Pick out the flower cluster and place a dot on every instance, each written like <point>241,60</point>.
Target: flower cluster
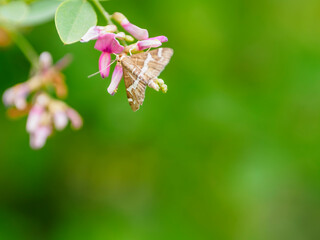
<point>46,76</point>
<point>108,42</point>
<point>45,113</point>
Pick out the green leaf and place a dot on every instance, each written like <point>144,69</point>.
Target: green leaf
<point>73,20</point>
<point>13,12</point>
<point>40,12</point>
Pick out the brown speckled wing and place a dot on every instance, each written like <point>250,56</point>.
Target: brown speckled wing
<point>139,69</point>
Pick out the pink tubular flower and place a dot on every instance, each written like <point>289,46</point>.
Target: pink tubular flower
<point>17,96</point>
<point>34,118</point>
<point>92,34</point>
<point>145,44</point>
<point>138,33</point>
<point>75,118</point>
<point>108,43</point>
<point>60,120</point>
<point>160,38</point>
<point>104,64</point>
<point>151,43</point>
<point>97,31</point>
<point>39,137</point>
<point>148,43</point>
<point>45,61</point>
<point>116,77</point>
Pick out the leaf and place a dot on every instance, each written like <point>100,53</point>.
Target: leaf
<point>14,12</point>
<point>40,12</point>
<point>73,20</point>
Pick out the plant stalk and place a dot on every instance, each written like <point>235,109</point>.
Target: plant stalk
<point>26,48</point>
<point>105,14</point>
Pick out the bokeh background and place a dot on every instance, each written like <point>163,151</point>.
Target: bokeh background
<point>230,152</point>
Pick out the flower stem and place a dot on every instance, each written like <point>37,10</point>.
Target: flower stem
<point>26,48</point>
<point>106,15</point>
<point>102,11</point>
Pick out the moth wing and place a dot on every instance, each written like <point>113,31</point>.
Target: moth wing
<point>139,69</point>
<point>135,95</point>
<point>152,63</point>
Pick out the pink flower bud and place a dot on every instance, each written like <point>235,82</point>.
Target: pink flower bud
<point>20,103</point>
<point>121,35</point>
<point>39,137</point>
<point>119,17</point>
<point>60,120</point>
<point>92,34</point>
<point>34,118</point>
<point>104,64</point>
<point>97,31</point>
<point>145,44</point>
<point>116,77</point>
<point>160,38</point>
<point>16,96</point>
<point>8,97</point>
<point>45,60</point>
<point>75,118</point>
<point>138,33</point>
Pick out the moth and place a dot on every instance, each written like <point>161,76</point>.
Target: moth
<point>139,69</point>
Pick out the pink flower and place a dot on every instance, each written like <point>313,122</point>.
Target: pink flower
<point>45,61</point>
<point>39,137</point>
<point>16,96</point>
<point>92,34</point>
<point>104,64</point>
<point>145,44</point>
<point>138,33</point>
<point>106,39</point>
<point>160,38</point>
<point>75,118</point>
<point>34,118</point>
<point>148,43</point>
<point>151,43</point>
<point>116,77</point>
<point>60,120</point>
<point>108,43</point>
<point>96,31</point>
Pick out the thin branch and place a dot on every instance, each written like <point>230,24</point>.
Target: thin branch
<point>26,48</point>
<point>102,11</point>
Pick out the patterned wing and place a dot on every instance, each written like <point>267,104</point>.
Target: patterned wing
<point>136,93</point>
<point>139,69</point>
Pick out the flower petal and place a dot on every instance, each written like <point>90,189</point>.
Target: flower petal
<point>39,137</point>
<point>109,43</point>
<point>60,120</point>
<point>145,44</point>
<point>75,118</point>
<point>138,33</point>
<point>92,34</point>
<point>104,64</point>
<point>34,118</point>
<point>116,77</point>
<point>8,97</point>
<point>45,60</point>
<point>160,38</point>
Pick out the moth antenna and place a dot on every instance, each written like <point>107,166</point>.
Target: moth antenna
<point>148,49</point>
<point>92,75</point>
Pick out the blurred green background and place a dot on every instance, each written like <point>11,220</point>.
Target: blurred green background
<point>230,152</point>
